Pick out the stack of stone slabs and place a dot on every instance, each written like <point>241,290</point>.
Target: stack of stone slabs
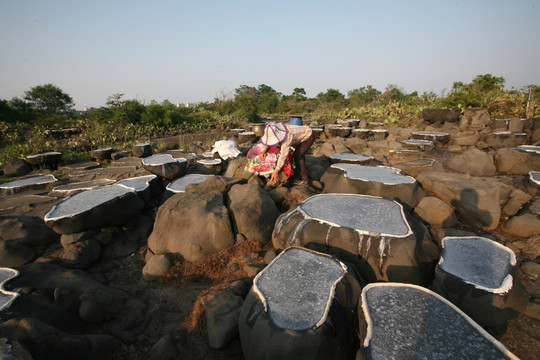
<point>403,321</point>
<point>293,305</point>
<point>476,274</point>
<point>370,232</point>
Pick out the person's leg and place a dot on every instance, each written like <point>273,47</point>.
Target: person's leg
<point>299,157</point>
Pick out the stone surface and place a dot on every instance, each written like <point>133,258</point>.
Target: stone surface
<point>29,183</point>
<point>372,180</point>
<point>435,212</point>
<point>103,154</point>
<point>433,136</point>
<point>157,266</point>
<point>350,158</point>
<point>17,167</point>
<point>441,115</point>
<point>533,183</point>
<point>222,311</point>
<point>474,120</point>
<point>516,162</point>
<point>253,211</point>
<point>526,222</point>
<point>142,150</point>
<point>105,206</point>
<point>475,200</point>
<point>49,159</point>
<point>193,225</point>
<point>473,162</point>
<point>484,287</point>
<point>444,331</point>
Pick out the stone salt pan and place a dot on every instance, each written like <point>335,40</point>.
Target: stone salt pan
<point>362,213</point>
<point>179,185</point>
<point>403,321</point>
<point>381,174</point>
<point>478,261</point>
<point>297,288</point>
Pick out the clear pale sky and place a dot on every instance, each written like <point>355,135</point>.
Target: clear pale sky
<point>190,51</point>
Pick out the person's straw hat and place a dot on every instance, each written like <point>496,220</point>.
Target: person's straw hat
<point>274,133</point>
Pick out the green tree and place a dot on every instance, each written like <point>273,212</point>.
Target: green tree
<point>299,94</point>
<point>364,95</point>
<point>245,103</point>
<point>268,99</point>
<point>49,99</point>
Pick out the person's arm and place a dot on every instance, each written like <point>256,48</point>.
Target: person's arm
<point>264,149</point>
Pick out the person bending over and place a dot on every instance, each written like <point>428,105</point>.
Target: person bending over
<point>301,137</point>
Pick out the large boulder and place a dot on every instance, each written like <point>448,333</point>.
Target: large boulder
<point>372,180</point>
<point>476,200</point>
<point>22,239</point>
<point>17,167</point>
<point>475,119</point>
<point>192,224</point>
<point>435,212</point>
<point>473,162</point>
<point>254,212</point>
<point>516,162</point>
<point>526,222</point>
<point>441,115</point>
<point>374,234</point>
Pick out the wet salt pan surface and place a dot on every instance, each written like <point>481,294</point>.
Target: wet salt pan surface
<point>34,180</point>
<point>350,157</point>
<point>439,330</point>
<point>382,174</point>
<point>7,297</point>
<point>365,213</point>
<point>86,200</point>
<point>460,257</point>
<point>297,288</point>
<point>161,159</point>
<point>179,185</point>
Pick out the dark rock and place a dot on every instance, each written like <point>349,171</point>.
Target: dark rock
<point>101,154</point>
<point>49,160</point>
<point>254,212</point>
<point>164,349</point>
<point>473,162</point>
<point>142,150</point>
<point>201,218</point>
<point>435,212</point>
<point>17,167</point>
<point>527,222</point>
<point>222,310</point>
<point>441,115</point>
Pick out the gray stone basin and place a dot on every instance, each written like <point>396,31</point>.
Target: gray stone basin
<point>165,165</point>
<point>297,288</point>
<point>160,159</point>
<point>418,144</point>
<point>29,183</point>
<point>350,158</point>
<point>403,321</point>
<point>381,174</point>
<point>364,214</point>
<point>490,272</point>
<point>179,185</point>
<point>105,206</point>
<point>137,184</point>
<point>7,297</point>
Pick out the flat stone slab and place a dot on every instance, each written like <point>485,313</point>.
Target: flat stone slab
<point>364,214</point>
<point>528,148</point>
<point>7,297</point>
<point>403,321</point>
<point>115,173</point>
<point>179,185</point>
<point>101,207</point>
<point>29,183</point>
<point>489,272</point>
<point>350,158</point>
<point>379,181</point>
<point>500,139</point>
<point>381,174</point>
<point>139,183</point>
<point>533,183</point>
<point>434,136</point>
<point>46,158</point>
<point>418,144</point>
<point>297,288</point>
<point>80,186</point>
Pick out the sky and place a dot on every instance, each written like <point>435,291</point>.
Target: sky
<point>193,51</point>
